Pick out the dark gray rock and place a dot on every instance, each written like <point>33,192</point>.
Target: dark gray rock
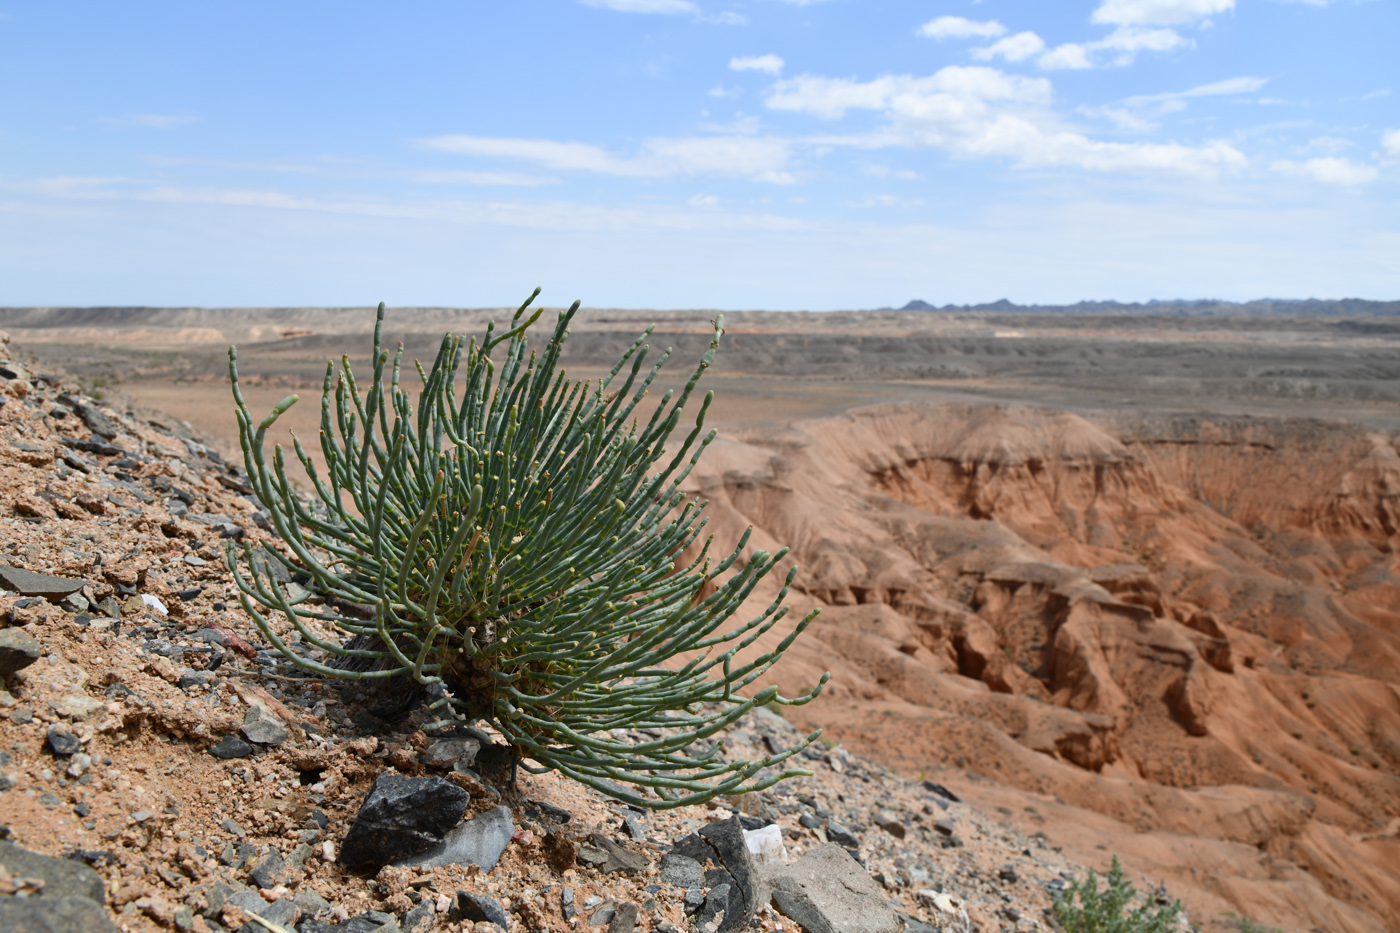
<point>53,915</point>
<point>271,871</point>
<point>476,908</point>
<point>61,741</point>
<point>263,727</point>
<point>420,919</point>
<point>840,835</point>
<point>18,650</point>
<point>231,746</point>
<point>727,839</point>
<point>28,583</point>
<point>681,871</point>
<point>941,791</point>
<point>618,858</point>
<point>96,421</point>
<point>914,925</point>
<point>625,920</point>
<point>282,912</point>
<point>945,827</point>
<point>891,824</point>
<point>445,753</point>
<point>826,891</point>
<point>63,878</point>
<point>808,821</point>
<point>716,915</point>
<point>479,841</point>
<point>404,816</point>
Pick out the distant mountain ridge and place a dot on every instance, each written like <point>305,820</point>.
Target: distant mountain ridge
<point>1205,307</point>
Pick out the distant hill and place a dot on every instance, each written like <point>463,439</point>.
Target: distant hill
<point>1205,307</point>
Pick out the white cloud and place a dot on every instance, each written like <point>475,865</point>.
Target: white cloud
<point>1379,92</point>
<point>1244,84</point>
<point>645,6</point>
<point>884,171</point>
<point>760,158</point>
<point>956,27</point>
<point>702,200</point>
<point>1158,12</point>
<point>770,64</point>
<point>1126,41</point>
<point>952,87</point>
<point>491,179</point>
<point>1069,55</point>
<point>981,113</point>
<point>1329,171</point>
<point>1013,48</point>
<point>886,200</point>
<point>1390,144</point>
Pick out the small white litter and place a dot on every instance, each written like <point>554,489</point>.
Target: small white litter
<point>766,844</point>
<point>154,603</point>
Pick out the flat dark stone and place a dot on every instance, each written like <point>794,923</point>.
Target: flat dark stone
<point>96,421</point>
<point>18,650</point>
<point>61,741</point>
<point>941,791</point>
<point>63,878</point>
<point>29,583</point>
<point>231,747</point>
<point>271,871</point>
<point>91,447</point>
<point>478,907</point>
<point>619,858</point>
<point>402,816</point>
<point>53,915</point>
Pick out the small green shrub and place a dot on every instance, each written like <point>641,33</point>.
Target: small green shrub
<point>1103,911</point>
<point>517,535</point>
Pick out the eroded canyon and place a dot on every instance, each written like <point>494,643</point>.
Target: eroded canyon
<point>1133,582</point>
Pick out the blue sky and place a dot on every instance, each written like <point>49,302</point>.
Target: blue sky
<point>698,153</point>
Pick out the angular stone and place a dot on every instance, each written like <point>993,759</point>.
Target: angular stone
<point>96,421</point>
<point>62,877</point>
<point>403,816</point>
<point>945,827</point>
<point>890,824</point>
<point>271,871</point>
<point>61,741</point>
<point>826,891</point>
<point>716,916</point>
<point>841,835</point>
<point>231,746</point>
<point>941,791</point>
<point>681,871</point>
<point>28,583</point>
<point>476,908</point>
<point>727,839</point>
<point>77,706</point>
<point>480,841</point>
<point>619,858</point>
<point>264,727</point>
<point>625,920</point>
<point>446,753</point>
<point>420,919</point>
<point>53,915</point>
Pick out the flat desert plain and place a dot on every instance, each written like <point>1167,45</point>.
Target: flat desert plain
<point>1129,580</point>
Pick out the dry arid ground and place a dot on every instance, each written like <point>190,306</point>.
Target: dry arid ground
<point>1133,578</point>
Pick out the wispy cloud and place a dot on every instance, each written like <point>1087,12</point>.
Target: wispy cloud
<point>770,64</point>
<point>957,27</point>
<point>1158,12</point>
<point>1330,171</point>
<point>668,7</point>
<point>983,113</point>
<point>1015,48</point>
<point>1244,84</point>
<point>1122,46</point>
<point>1390,144</point>
<point>759,158</point>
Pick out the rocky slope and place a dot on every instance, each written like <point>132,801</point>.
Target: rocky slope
<point>1175,638</point>
<point>161,769</point>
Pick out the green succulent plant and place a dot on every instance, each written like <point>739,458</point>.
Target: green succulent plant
<point>1102,911</point>
<point>518,534</point>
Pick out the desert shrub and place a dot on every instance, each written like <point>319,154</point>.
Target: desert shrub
<point>1103,911</point>
<point>516,534</point>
